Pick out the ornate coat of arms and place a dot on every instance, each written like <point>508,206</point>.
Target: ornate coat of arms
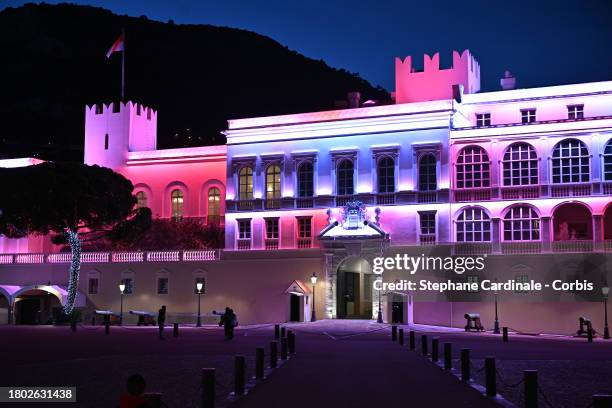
<point>353,215</point>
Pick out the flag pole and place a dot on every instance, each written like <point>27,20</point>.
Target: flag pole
<point>123,67</point>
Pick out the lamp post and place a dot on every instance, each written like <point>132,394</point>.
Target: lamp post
<point>122,289</point>
<point>496,323</point>
<point>313,280</point>
<point>606,290</point>
<point>379,319</point>
<point>199,286</point>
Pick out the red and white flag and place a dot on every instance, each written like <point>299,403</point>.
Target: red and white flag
<point>117,46</point>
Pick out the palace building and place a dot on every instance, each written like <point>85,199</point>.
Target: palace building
<point>521,177</point>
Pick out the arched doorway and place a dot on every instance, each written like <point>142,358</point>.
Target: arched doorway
<point>5,310</point>
<point>607,219</point>
<point>36,306</point>
<point>355,289</point>
<point>572,222</point>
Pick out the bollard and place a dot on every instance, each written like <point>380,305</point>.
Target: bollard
<point>435,341</point>
<point>291,342</point>
<point>505,334</point>
<point>276,331</point>
<point>175,332</point>
<point>273,353</point>
<point>490,380</point>
<point>93,320</point>
<point>106,327</point>
<point>602,401</point>
<point>424,344</point>
<point>283,348</point>
<point>590,335</point>
<point>259,363</point>
<point>208,388</point>
<point>401,337</point>
<point>393,333</point>
<point>448,356</point>
<point>283,332</point>
<point>411,340</point>
<point>465,364</point>
<point>73,326</point>
<point>530,377</point>
<point>239,375</point>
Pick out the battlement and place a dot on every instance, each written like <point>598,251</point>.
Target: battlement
<point>121,108</point>
<point>433,83</point>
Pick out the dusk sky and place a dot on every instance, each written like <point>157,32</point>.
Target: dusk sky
<point>540,42</point>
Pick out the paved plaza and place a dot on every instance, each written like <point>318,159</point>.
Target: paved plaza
<point>337,363</point>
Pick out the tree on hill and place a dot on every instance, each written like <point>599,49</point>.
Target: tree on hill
<point>75,200</point>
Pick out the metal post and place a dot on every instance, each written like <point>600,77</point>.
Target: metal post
<point>465,364</point>
<point>208,388</point>
<point>276,331</point>
<point>379,319</point>
<point>73,325</point>
<point>313,315</point>
<point>291,342</point>
<point>199,322</point>
<point>505,334</point>
<point>393,333</point>
<point>496,323</point>
<point>175,330</point>
<point>401,337</point>
<point>121,312</point>
<point>590,335</point>
<point>259,363</point>
<point>606,330</point>
<point>602,401</point>
<point>448,356</point>
<point>530,377</point>
<point>106,326</point>
<point>490,379</point>
<point>411,339</point>
<point>283,332</point>
<point>435,341</point>
<point>239,375</point>
<point>283,348</point>
<point>424,344</point>
<point>273,353</point>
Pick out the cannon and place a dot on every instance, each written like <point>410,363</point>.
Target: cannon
<point>585,322</point>
<point>108,315</point>
<point>473,322</point>
<point>144,318</point>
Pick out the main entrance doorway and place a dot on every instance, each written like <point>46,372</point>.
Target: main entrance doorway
<point>354,289</point>
<point>36,307</point>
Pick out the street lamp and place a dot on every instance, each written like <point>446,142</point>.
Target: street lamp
<point>122,289</point>
<point>496,323</point>
<point>199,286</point>
<point>379,319</point>
<point>313,280</point>
<point>606,290</point>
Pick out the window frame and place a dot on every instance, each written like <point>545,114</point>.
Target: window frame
<point>575,111</point>
<point>606,165</point>
<point>271,222</point>
<point>528,115</point>
<point>510,165</point>
<point>305,185</point>
<point>345,178</point>
<point>484,221</point>
<point>177,204</point>
<point>273,177</point>
<point>141,196</point>
<point>525,223</point>
<point>385,183</point>
<point>158,280</point>
<point>483,119</point>
<point>429,174</point>
<point>466,159</point>
<point>97,285</point>
<point>247,194</point>
<point>570,162</point>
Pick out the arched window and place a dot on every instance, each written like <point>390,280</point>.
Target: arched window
<point>305,183</point>
<point>214,206</point>
<point>141,199</point>
<point>473,168</point>
<point>473,225</point>
<point>273,182</point>
<point>608,161</point>
<point>345,177</point>
<point>245,180</point>
<point>427,173</point>
<point>386,175</point>
<point>177,204</point>
<point>570,162</point>
<point>521,223</point>
<point>520,165</point>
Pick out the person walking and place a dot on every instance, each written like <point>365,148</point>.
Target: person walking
<point>161,321</point>
<point>134,397</point>
<point>228,321</point>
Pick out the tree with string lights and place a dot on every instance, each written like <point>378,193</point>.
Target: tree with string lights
<point>75,201</point>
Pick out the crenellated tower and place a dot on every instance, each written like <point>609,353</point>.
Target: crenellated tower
<point>113,130</point>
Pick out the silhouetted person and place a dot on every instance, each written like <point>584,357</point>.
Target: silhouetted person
<point>228,321</point>
<point>161,321</point>
<point>134,398</point>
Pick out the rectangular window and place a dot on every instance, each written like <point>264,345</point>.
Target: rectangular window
<point>195,284</point>
<point>93,286</point>
<point>272,228</point>
<point>304,227</point>
<point>575,112</point>
<point>129,286</point>
<point>472,279</point>
<point>162,286</point>
<point>528,115</point>
<point>483,119</point>
<point>428,223</point>
<point>244,229</point>
<point>521,279</point>
<point>106,141</point>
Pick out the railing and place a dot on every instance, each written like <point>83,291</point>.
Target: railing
<point>572,246</point>
<point>304,242</point>
<point>476,194</point>
<point>385,198</point>
<point>341,200</point>
<point>472,248</point>
<point>244,205</point>
<point>271,243</point>
<point>272,204</point>
<point>608,245</point>
<point>427,239</point>
<point>607,188</point>
<point>570,190</point>
<point>427,196</point>
<point>114,257</point>
<point>518,193</point>
<point>304,202</point>
<point>243,244</point>
<point>517,248</point>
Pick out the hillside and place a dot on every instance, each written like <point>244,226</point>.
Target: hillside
<point>198,76</point>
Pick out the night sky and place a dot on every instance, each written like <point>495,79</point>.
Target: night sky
<point>540,42</point>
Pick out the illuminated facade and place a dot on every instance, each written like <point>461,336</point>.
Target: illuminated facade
<point>445,169</point>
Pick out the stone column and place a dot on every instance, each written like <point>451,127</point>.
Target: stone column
<point>598,232</point>
<point>330,291</point>
<point>547,236</point>
<point>495,235</point>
